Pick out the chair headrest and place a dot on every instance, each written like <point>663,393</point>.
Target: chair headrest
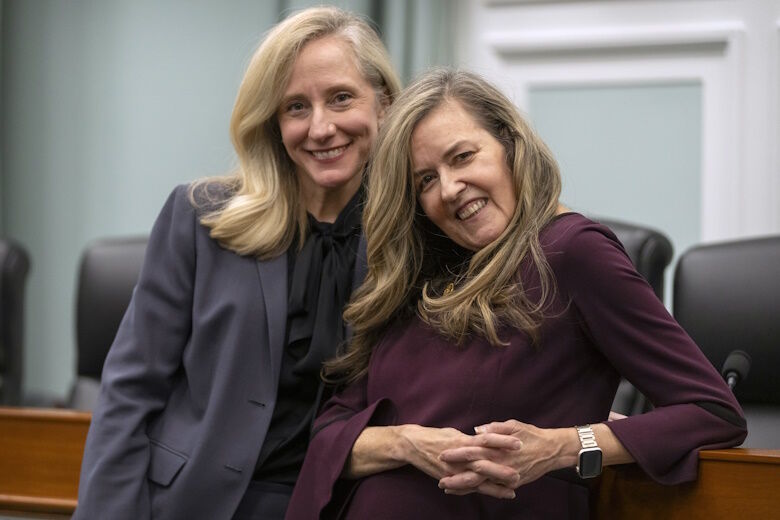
<point>727,297</point>
<point>108,274</point>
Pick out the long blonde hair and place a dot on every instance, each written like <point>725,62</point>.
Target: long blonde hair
<point>256,211</point>
<point>402,268</point>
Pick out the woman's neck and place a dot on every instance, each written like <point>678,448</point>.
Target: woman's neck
<point>325,204</point>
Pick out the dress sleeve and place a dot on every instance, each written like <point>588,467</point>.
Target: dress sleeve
<point>694,409</point>
<point>335,431</point>
<point>139,370</point>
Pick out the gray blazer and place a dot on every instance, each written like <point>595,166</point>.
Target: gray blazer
<point>189,385</point>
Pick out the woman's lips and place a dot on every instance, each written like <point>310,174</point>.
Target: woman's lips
<point>326,155</point>
<point>471,209</point>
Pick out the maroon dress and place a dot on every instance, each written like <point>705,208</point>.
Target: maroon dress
<point>605,322</point>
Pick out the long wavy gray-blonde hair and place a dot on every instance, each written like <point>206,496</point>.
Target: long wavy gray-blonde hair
<point>262,213</point>
<point>404,273</point>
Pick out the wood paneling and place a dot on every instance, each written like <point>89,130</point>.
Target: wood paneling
<point>41,450</point>
<point>40,458</point>
<point>739,483</point>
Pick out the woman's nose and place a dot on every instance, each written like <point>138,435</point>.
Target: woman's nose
<point>321,126</point>
<point>451,185</point>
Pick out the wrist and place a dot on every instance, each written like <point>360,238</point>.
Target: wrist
<point>568,447</point>
<point>591,457</point>
<point>402,447</point>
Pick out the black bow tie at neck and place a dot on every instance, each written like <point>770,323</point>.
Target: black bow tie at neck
<point>320,287</point>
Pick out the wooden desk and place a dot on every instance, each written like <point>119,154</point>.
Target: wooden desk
<point>40,459</point>
<point>41,450</point>
<point>736,483</point>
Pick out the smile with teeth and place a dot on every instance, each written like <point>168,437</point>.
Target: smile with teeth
<point>329,154</point>
<point>471,209</point>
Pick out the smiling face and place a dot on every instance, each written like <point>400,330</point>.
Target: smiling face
<point>328,117</point>
<point>461,176</point>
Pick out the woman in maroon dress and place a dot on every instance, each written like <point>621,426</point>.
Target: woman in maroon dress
<point>492,322</point>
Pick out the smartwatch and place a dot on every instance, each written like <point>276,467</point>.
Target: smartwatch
<point>589,459</point>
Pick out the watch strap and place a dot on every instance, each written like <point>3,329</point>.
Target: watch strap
<point>587,437</point>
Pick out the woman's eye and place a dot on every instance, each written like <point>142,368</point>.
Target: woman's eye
<point>425,180</point>
<point>463,156</point>
<point>342,98</point>
<point>294,107</point>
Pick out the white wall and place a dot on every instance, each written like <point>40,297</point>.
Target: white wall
<point>731,48</point>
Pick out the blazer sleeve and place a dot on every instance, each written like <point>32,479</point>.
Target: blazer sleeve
<point>319,491</point>
<point>694,409</point>
<point>140,370</point>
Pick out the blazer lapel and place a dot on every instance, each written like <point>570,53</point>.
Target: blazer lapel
<point>273,280</point>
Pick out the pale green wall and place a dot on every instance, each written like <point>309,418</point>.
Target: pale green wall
<point>107,106</point>
<point>628,152</point>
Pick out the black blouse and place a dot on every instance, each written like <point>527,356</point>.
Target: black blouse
<point>319,279</point>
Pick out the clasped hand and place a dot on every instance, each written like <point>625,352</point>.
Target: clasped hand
<point>500,458</point>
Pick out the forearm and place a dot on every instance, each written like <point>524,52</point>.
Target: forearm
<point>378,448</point>
<point>540,451</point>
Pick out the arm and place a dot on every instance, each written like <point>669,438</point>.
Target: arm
<point>389,447</point>
<point>139,370</point>
<point>540,451</point>
<point>353,439</point>
<point>624,319</point>
<point>694,409</point>
<point>343,418</point>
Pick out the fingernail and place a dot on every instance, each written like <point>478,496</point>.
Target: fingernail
<point>479,429</point>
<point>511,495</point>
<point>447,492</point>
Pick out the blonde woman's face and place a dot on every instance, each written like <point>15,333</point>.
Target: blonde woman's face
<point>461,177</point>
<point>329,117</point>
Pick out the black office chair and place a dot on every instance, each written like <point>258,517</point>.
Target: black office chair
<point>727,297</point>
<point>14,266</point>
<point>650,252</point>
<point>108,274</point>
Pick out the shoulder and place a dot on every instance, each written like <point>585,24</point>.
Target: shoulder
<point>211,194</point>
<point>188,203</point>
<point>193,201</point>
<point>574,234</point>
<point>578,248</point>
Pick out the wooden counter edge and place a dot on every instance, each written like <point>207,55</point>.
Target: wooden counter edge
<point>45,414</point>
<point>23,503</point>
<point>742,455</point>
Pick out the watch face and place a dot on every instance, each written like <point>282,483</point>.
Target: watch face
<point>590,463</point>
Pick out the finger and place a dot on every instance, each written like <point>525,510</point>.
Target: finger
<point>494,490</point>
<point>498,441</point>
<point>486,488</point>
<point>506,427</point>
<point>480,471</point>
<point>464,480</point>
<point>467,454</point>
<point>498,473</point>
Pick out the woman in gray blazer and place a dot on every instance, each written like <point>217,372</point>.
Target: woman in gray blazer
<point>212,382</point>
